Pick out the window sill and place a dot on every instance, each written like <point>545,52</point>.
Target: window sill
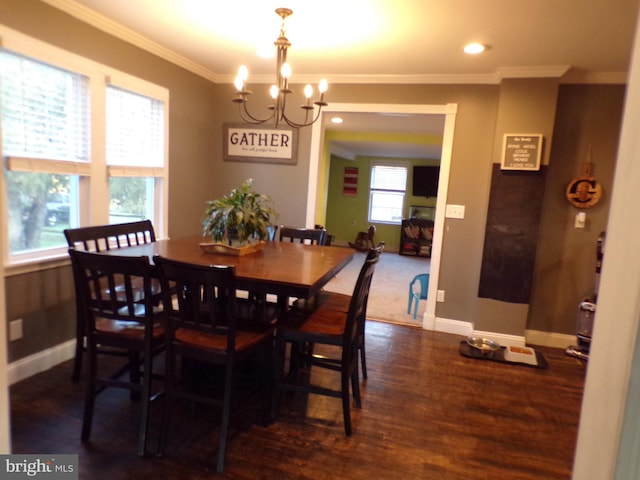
<point>36,264</point>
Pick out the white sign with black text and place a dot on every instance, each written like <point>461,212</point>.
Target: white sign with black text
<point>252,143</point>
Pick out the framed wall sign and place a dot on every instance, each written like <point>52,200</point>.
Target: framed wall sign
<point>522,151</point>
<point>260,143</point>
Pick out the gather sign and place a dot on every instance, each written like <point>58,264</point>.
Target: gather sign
<point>258,143</point>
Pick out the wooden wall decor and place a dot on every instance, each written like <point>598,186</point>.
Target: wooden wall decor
<point>584,191</point>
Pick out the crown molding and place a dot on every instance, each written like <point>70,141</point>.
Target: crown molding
<point>117,30</point>
<point>561,72</point>
<point>551,71</point>
<point>596,78</point>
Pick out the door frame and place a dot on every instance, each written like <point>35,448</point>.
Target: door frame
<point>316,154</point>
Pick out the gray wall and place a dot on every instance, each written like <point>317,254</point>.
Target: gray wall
<point>199,109</point>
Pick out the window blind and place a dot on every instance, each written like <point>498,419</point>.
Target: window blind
<point>44,110</point>
<point>384,177</point>
<point>135,129</point>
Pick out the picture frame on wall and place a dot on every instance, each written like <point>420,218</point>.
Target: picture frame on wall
<point>522,151</point>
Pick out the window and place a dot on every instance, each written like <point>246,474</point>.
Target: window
<point>44,134</point>
<point>135,153</point>
<point>386,194</point>
<point>72,133</point>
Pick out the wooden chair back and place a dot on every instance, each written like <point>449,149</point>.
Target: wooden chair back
<point>313,236</point>
<point>206,302</point>
<point>113,287</point>
<point>357,313</point>
<point>98,238</point>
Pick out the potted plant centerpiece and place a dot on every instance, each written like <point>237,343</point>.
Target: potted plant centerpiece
<point>238,222</point>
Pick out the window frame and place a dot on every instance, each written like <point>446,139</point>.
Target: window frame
<point>94,174</point>
<point>391,164</point>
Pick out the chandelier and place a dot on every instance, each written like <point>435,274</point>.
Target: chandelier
<point>280,90</point>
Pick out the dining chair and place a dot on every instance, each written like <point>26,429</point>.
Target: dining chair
<point>99,238</point>
<point>418,290</point>
<point>328,325</point>
<point>208,324</point>
<point>340,301</point>
<point>312,236</point>
<point>116,299</point>
<point>271,231</point>
<point>309,236</point>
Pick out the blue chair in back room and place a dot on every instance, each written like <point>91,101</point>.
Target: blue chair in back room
<point>421,280</point>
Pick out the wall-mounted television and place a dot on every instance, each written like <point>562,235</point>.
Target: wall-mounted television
<point>425,181</point>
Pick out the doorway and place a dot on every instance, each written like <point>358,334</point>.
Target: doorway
<point>317,156</point>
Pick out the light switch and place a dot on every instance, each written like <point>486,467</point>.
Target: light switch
<point>454,211</point>
<point>581,219</point>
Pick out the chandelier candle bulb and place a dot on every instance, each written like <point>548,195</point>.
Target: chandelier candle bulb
<point>308,93</point>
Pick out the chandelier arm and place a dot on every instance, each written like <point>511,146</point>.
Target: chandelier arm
<point>305,123</point>
<point>247,117</point>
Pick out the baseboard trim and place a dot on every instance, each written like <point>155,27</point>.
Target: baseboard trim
<point>456,327</point>
<point>549,339</point>
<point>501,338</point>
<point>41,361</point>
<point>531,337</point>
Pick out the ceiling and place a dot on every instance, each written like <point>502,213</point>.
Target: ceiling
<point>380,41</point>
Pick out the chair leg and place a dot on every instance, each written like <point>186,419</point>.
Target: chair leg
<point>77,361</point>
<point>278,372</point>
<point>134,373</point>
<point>410,302</point>
<point>346,402</point>
<point>146,403</point>
<point>363,358</point>
<point>168,399</point>
<point>224,425</point>
<point>355,385</point>
<point>415,309</point>
<point>90,397</point>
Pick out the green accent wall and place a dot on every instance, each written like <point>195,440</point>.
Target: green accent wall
<point>347,215</point>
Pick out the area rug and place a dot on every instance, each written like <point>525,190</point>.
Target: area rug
<point>389,295</point>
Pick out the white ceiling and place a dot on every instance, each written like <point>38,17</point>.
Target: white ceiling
<point>380,41</point>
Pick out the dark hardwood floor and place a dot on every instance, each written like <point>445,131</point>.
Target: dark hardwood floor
<point>428,413</point>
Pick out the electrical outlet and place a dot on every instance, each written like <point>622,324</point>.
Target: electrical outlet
<point>15,330</point>
<point>440,296</point>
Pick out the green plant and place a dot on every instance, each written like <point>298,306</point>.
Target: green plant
<point>242,216</point>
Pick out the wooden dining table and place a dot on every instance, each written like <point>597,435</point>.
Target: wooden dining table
<point>284,269</point>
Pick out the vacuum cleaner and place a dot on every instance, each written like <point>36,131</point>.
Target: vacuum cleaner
<point>587,311</point>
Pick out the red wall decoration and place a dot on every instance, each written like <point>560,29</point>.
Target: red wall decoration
<point>350,187</point>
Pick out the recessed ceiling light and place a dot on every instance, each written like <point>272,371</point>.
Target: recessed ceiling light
<point>336,120</point>
<point>474,48</point>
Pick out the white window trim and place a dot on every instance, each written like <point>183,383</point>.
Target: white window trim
<point>390,163</point>
<point>94,175</point>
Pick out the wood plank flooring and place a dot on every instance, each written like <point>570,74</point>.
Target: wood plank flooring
<point>428,413</point>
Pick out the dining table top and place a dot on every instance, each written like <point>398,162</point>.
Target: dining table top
<point>281,268</point>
